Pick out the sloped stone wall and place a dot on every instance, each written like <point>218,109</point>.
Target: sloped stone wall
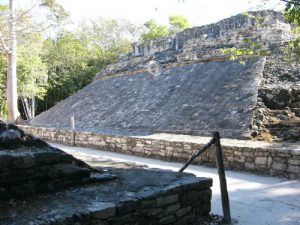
<point>191,99</point>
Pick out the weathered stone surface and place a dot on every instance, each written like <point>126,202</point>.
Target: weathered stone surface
<point>29,165</point>
<point>167,200</point>
<point>131,199</point>
<point>261,160</point>
<point>167,103</point>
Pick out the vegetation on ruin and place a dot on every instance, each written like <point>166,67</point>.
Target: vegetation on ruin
<point>154,30</point>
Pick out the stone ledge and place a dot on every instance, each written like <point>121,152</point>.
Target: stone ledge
<point>134,198</point>
<point>253,156</point>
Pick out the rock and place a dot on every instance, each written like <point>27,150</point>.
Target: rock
<point>10,135</point>
<point>261,160</point>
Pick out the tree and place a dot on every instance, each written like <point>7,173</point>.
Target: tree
<point>32,73</point>
<point>74,57</point>
<point>154,30</point>
<point>177,24</point>
<point>11,52</point>
<point>12,26</point>
<point>292,11</point>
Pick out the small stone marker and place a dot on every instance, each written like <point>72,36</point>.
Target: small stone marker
<point>73,130</point>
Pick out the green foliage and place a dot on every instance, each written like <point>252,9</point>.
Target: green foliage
<point>177,24</point>
<point>252,48</point>
<point>32,71</point>
<point>292,15</point>
<point>292,51</point>
<point>292,11</point>
<point>74,58</point>
<point>56,11</point>
<point>154,31</point>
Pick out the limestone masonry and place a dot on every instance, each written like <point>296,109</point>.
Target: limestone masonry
<point>276,159</point>
<point>199,90</point>
<point>42,185</point>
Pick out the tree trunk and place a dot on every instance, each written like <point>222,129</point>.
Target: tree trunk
<point>12,95</point>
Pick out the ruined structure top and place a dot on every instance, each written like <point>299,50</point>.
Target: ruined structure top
<point>204,43</point>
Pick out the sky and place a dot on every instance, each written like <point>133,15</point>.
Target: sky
<point>198,12</point>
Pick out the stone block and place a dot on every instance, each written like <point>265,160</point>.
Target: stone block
<point>237,153</point>
<point>169,148</point>
<point>261,168</point>
<point>250,166</point>
<point>188,219</point>
<point>148,204</point>
<point>261,153</point>
<point>154,212</point>
<point>294,162</point>
<point>261,160</point>
<point>248,154</point>
<point>168,220</point>
<point>167,200</point>
<point>187,147</point>
<point>240,158</point>
<point>104,213</point>
<point>183,211</point>
<point>279,166</point>
<point>5,160</point>
<point>25,161</point>
<point>294,169</point>
<point>195,197</point>
<point>280,159</point>
<point>172,208</point>
<point>230,158</point>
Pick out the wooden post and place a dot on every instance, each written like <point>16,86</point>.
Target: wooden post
<point>72,130</point>
<point>222,178</point>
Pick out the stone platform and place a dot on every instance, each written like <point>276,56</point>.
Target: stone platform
<point>29,165</point>
<point>40,184</point>
<point>139,196</point>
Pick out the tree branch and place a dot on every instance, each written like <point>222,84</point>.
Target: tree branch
<point>291,2</point>
<point>5,48</point>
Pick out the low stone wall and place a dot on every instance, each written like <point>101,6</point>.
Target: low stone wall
<point>137,196</point>
<point>179,206</point>
<point>258,157</point>
<point>25,172</point>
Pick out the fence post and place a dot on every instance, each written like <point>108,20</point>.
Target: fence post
<point>72,130</point>
<point>222,178</point>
